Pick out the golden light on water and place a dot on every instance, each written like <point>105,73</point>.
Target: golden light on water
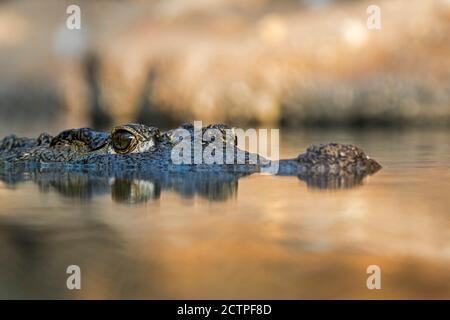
<point>275,237</point>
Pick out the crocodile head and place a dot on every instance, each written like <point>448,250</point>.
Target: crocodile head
<point>337,157</point>
<point>74,144</point>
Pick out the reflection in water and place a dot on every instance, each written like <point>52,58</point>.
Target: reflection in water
<point>134,191</point>
<point>275,239</point>
<point>130,187</point>
<point>134,187</point>
<point>332,181</point>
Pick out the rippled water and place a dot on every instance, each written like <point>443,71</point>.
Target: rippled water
<point>209,236</point>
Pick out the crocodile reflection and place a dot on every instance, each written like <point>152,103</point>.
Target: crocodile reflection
<point>134,191</point>
<point>128,188</point>
<point>332,182</point>
<point>213,187</point>
<point>132,188</point>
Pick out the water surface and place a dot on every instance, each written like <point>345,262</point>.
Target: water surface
<point>210,236</point>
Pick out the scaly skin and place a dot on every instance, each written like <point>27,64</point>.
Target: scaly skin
<point>144,149</point>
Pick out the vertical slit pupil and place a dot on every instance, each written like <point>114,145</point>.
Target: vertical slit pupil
<point>122,139</point>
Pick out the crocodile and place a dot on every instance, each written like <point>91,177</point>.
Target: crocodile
<point>143,149</point>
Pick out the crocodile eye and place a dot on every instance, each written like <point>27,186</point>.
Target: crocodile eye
<point>122,141</point>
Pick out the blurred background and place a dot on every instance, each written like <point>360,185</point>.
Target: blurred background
<point>289,63</point>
